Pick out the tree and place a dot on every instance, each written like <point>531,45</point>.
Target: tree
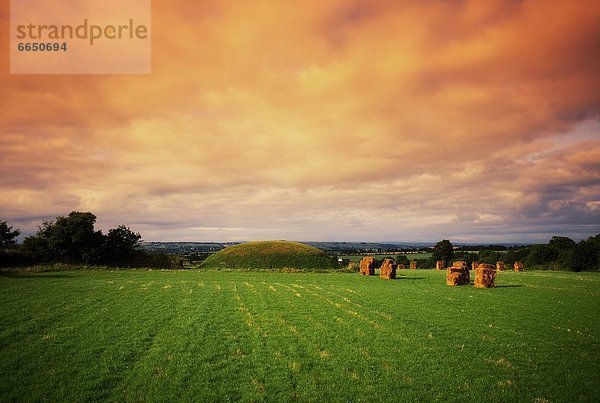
<point>8,235</point>
<point>586,255</point>
<point>514,255</point>
<point>467,257</point>
<point>443,250</point>
<point>402,259</point>
<point>36,247</point>
<point>71,239</point>
<point>120,243</point>
<point>492,256</point>
<point>541,255</point>
<point>561,242</point>
<point>562,248</point>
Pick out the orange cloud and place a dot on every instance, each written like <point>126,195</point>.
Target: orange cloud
<point>323,120</point>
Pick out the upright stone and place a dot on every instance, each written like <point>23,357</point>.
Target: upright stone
<point>439,265</point>
<point>413,265</point>
<point>463,265</point>
<point>367,266</point>
<point>500,265</point>
<point>459,263</point>
<point>474,265</point>
<point>485,275</point>
<point>519,266</point>
<point>388,269</point>
<point>458,274</point>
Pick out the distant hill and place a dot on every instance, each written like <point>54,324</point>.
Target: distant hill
<point>185,247</point>
<point>327,246</point>
<point>368,247</point>
<point>331,247</point>
<point>271,255</point>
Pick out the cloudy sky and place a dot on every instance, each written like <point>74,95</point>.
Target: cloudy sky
<point>396,120</point>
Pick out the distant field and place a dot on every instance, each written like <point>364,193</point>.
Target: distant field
<point>251,336</point>
<point>357,258</point>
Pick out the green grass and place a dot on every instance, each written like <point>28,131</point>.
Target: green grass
<point>271,255</point>
<point>252,336</point>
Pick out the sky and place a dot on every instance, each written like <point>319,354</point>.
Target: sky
<point>345,120</point>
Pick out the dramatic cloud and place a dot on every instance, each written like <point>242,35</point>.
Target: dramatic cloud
<point>344,120</point>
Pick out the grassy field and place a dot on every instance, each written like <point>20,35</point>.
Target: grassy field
<point>252,336</point>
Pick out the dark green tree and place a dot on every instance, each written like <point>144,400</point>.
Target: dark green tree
<point>402,259</point>
<point>559,243</point>
<point>8,235</point>
<point>467,257</point>
<point>514,255</point>
<point>443,250</point>
<point>586,255</point>
<point>491,256</point>
<point>36,247</point>
<point>542,256</point>
<point>120,243</point>
<point>562,248</point>
<point>71,239</point>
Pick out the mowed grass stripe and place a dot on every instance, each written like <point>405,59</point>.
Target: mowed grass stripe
<point>347,344</point>
<point>138,335</point>
<point>277,346</point>
<point>73,330</point>
<point>179,355</point>
<point>302,355</point>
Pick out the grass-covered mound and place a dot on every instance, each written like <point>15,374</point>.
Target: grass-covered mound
<point>271,255</point>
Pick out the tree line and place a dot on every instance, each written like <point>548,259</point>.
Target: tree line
<point>560,253</point>
<point>73,239</point>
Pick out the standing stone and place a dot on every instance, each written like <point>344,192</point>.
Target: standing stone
<point>439,265</point>
<point>458,274</point>
<point>519,266</point>
<point>500,265</point>
<point>413,265</point>
<point>400,266</point>
<point>463,265</point>
<point>485,275</point>
<point>388,269</point>
<point>460,263</point>
<point>474,265</point>
<point>367,266</point>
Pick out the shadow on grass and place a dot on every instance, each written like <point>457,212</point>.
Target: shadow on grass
<point>33,275</point>
<point>410,278</point>
<point>510,286</point>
